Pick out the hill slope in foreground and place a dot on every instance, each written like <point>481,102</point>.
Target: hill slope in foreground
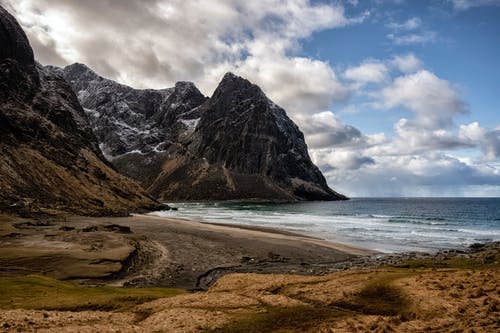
<point>447,293</point>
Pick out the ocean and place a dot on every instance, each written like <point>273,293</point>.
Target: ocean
<point>388,225</point>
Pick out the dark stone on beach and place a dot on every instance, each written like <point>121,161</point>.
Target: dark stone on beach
<point>476,246</point>
<point>93,228</point>
<point>117,228</point>
<point>108,228</point>
<point>12,235</point>
<point>33,224</point>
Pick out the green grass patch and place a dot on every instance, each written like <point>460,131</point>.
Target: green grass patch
<point>43,293</point>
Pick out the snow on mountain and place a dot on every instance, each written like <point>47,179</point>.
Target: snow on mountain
<point>127,120</point>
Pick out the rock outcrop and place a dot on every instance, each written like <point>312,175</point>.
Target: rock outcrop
<point>126,119</point>
<point>237,145</point>
<point>14,42</point>
<point>244,147</point>
<point>50,160</point>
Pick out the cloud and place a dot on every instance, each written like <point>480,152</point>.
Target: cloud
<point>434,101</point>
<point>415,139</point>
<point>431,174</point>
<point>487,140</point>
<point>302,86</point>
<point>410,32</point>
<point>370,71</point>
<point>338,159</point>
<point>416,38</point>
<point>410,24</point>
<point>324,129</point>
<point>467,4</point>
<point>406,63</point>
<point>155,43</point>
<point>427,154</point>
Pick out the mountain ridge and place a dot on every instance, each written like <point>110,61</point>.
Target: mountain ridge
<point>176,154</point>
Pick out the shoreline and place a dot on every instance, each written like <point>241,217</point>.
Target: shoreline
<point>269,232</point>
<point>143,250</point>
<point>151,251</point>
<point>352,247</point>
<point>387,225</point>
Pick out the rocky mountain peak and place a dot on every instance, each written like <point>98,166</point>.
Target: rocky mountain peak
<point>18,76</point>
<point>81,70</point>
<point>233,89</point>
<point>185,93</point>
<point>127,120</point>
<point>15,44</point>
<point>243,132</point>
<point>183,87</point>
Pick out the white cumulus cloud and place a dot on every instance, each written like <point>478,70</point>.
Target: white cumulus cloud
<point>407,63</point>
<point>434,101</point>
<point>370,71</point>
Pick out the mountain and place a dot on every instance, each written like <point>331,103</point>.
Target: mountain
<point>49,157</point>
<point>244,146</point>
<point>237,145</point>
<point>136,128</point>
<point>126,119</point>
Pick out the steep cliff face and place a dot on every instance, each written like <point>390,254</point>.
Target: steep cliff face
<point>138,129</point>
<point>182,146</point>
<point>126,119</point>
<point>14,42</point>
<point>244,147</point>
<point>49,158</point>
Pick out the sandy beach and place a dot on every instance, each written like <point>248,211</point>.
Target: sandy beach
<point>305,284</point>
<point>151,251</point>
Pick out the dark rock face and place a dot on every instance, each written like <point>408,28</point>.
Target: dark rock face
<point>49,158</point>
<point>244,147</point>
<point>14,42</point>
<point>126,119</point>
<point>237,145</point>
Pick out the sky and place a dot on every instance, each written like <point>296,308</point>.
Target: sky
<point>395,97</point>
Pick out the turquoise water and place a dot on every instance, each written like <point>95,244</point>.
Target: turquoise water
<point>383,224</point>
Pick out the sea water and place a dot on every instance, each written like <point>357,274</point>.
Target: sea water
<point>383,224</point>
